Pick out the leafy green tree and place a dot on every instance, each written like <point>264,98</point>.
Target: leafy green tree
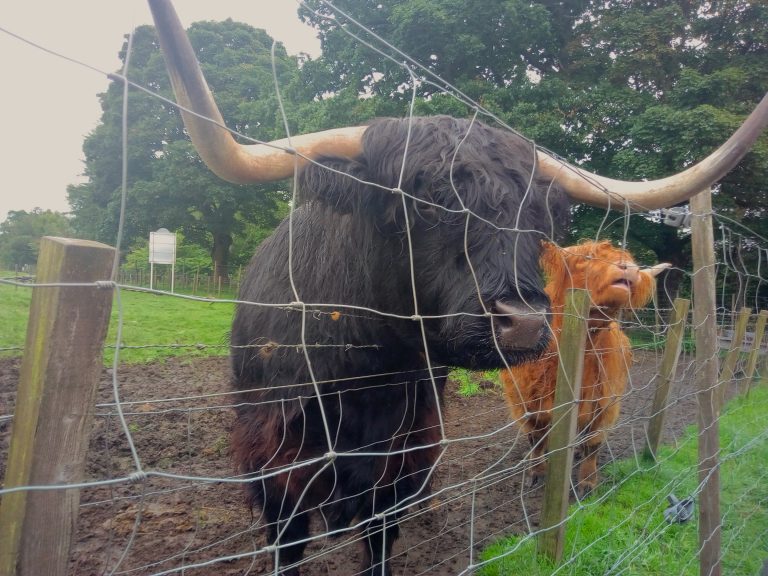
<point>21,231</point>
<point>678,86</point>
<point>490,41</point>
<point>167,183</point>
<point>627,89</point>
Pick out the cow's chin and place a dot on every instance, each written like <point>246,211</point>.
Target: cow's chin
<point>478,350</point>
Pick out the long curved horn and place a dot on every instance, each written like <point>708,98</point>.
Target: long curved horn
<point>234,162</point>
<point>605,192</point>
<point>657,269</point>
<point>267,162</point>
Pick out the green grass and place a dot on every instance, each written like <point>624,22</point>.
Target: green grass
<point>470,383</point>
<point>14,310</point>
<point>166,325</point>
<point>621,528</point>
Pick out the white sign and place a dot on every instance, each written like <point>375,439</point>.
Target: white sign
<point>162,247</point>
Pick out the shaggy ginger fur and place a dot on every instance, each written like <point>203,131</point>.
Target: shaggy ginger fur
<point>615,283</point>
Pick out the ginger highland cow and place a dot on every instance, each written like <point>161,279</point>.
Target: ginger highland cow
<point>615,283</point>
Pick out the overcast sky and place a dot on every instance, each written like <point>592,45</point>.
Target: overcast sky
<point>49,104</point>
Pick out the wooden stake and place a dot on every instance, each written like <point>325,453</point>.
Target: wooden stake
<point>666,375</point>
<point>728,370</point>
<point>562,432</point>
<point>749,371</point>
<point>706,377</point>
<point>54,409</point>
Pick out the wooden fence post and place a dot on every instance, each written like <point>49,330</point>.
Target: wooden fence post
<point>706,377</point>
<point>762,368</point>
<point>666,375</point>
<point>562,430</point>
<point>54,409</point>
<point>728,369</point>
<point>754,354</point>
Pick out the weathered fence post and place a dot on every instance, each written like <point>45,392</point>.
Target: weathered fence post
<point>57,388</point>
<point>728,369</point>
<point>666,374</point>
<point>706,377</point>
<point>562,430</point>
<point>762,368</point>
<point>754,354</point>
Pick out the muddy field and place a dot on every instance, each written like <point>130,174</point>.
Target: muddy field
<point>172,526</point>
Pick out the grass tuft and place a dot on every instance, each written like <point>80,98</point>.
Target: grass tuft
<point>471,383</point>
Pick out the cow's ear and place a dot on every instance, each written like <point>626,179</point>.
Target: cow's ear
<point>643,291</point>
<point>339,183</point>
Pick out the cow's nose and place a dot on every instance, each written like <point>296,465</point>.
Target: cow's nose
<point>518,327</point>
<point>631,273</point>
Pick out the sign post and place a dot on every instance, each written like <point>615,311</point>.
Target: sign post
<point>162,250</point>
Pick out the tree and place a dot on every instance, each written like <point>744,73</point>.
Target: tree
<point>627,89</point>
<point>21,231</point>
<point>630,90</point>
<point>167,183</point>
<point>686,75</point>
<point>490,41</point>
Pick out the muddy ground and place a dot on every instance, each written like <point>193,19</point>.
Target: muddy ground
<point>169,526</point>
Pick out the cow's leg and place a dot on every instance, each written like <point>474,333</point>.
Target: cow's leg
<point>287,528</point>
<point>588,477</point>
<point>380,536</point>
<point>538,468</point>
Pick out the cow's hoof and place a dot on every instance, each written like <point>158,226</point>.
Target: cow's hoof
<point>585,488</point>
<point>535,479</point>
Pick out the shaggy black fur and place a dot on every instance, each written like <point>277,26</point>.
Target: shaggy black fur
<point>350,248</point>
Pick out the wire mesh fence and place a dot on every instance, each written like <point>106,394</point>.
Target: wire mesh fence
<point>346,438</point>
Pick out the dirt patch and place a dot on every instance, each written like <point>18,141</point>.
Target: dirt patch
<point>164,525</point>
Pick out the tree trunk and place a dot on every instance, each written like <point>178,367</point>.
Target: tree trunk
<point>220,257</point>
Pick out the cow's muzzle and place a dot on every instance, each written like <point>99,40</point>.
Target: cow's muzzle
<point>519,327</point>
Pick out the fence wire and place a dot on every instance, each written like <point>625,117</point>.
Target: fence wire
<point>161,494</point>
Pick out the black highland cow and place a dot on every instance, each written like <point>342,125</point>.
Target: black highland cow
<point>401,261</point>
<point>350,247</point>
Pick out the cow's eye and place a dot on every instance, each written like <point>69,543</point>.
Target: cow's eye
<point>428,211</point>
